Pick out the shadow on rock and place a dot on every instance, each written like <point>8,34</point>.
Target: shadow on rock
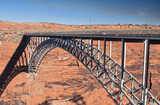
<point>44,103</point>
<point>78,100</point>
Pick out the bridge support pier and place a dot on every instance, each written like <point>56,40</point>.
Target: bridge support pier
<point>145,71</point>
<point>122,68</point>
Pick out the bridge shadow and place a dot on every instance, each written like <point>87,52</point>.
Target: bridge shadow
<point>44,103</point>
<point>78,100</point>
<point>16,65</point>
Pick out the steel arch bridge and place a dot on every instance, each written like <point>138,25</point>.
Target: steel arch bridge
<point>123,87</point>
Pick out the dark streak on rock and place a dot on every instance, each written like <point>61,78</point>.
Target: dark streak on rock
<point>20,85</point>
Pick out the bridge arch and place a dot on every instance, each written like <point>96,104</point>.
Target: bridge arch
<point>92,64</point>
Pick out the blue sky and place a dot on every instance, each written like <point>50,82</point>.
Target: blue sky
<point>82,11</point>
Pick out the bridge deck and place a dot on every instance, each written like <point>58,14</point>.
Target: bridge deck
<point>112,35</point>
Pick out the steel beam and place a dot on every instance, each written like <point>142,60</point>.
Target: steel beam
<point>122,67</point>
<point>43,38</point>
<point>95,35</point>
<point>104,59</point>
<point>38,41</point>
<point>81,47</point>
<point>110,52</point>
<point>146,64</point>
<point>144,68</point>
<point>98,47</point>
<point>91,42</point>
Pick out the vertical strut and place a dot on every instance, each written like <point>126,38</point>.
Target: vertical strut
<point>38,41</point>
<point>104,54</point>
<point>81,47</point>
<point>91,42</point>
<point>43,38</point>
<point>28,48</point>
<point>33,44</point>
<point>98,47</point>
<point>123,67</point>
<point>104,60</point>
<point>110,51</point>
<point>146,64</point>
<point>144,68</point>
<point>86,48</point>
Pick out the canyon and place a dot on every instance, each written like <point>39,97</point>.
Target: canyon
<point>61,79</point>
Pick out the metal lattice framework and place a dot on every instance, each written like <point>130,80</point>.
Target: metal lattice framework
<point>123,87</point>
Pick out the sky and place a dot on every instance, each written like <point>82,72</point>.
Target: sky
<point>82,12</point>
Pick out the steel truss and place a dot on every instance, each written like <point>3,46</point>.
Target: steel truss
<point>123,87</point>
<point>116,80</point>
